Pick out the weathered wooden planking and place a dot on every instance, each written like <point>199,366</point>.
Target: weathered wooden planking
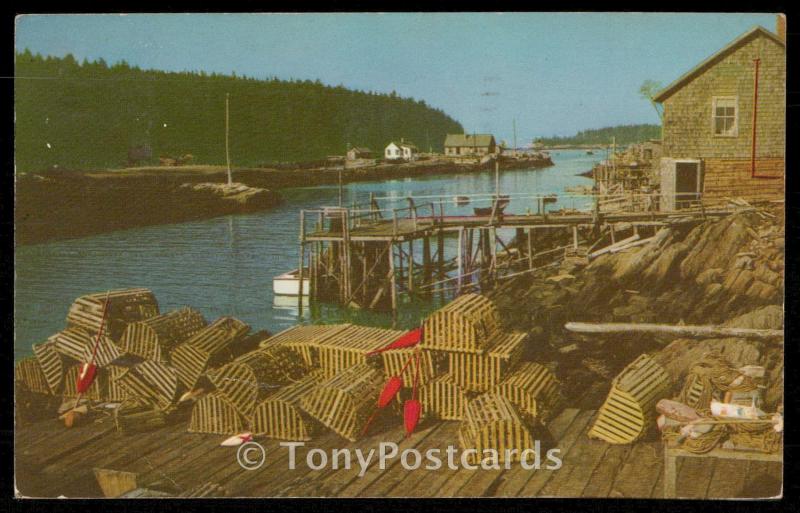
<point>629,408</point>
<point>124,307</point>
<point>155,338</point>
<point>638,477</point>
<point>209,347</point>
<point>480,372</point>
<point>213,413</point>
<point>280,416</point>
<point>466,324</point>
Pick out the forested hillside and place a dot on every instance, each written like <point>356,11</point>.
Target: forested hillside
<point>625,134</point>
<point>90,115</point>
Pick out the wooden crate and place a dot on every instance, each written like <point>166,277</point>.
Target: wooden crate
<point>493,422</point>
<point>52,363</point>
<point>345,402</point>
<point>350,347</point>
<point>124,307</point>
<point>467,324</point>
<point>304,340</point>
<point>280,416</point>
<point>209,347</point>
<point>247,380</point>
<point>431,365</point>
<point>480,372</point>
<point>629,408</point>
<point>443,399</point>
<point>214,414</point>
<point>29,373</point>
<point>152,382</point>
<point>533,389</point>
<point>78,344</point>
<point>156,337</point>
<point>96,391</point>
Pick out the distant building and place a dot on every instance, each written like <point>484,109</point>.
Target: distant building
<point>359,153</point>
<point>724,123</point>
<point>401,151</point>
<point>456,145</point>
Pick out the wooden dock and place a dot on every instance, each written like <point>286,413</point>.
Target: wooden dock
<point>53,461</point>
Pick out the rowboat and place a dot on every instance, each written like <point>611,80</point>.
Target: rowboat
<point>287,284</point>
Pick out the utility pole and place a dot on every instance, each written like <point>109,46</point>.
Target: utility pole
<point>227,146</point>
<point>514,122</point>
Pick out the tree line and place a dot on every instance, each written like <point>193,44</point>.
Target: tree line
<point>88,115</point>
<point>624,134</point>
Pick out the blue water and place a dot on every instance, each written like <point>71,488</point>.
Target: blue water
<point>225,265</point>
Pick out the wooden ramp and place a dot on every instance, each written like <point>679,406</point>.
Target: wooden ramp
<point>52,461</point>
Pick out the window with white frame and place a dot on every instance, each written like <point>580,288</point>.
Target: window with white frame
<point>725,112</point>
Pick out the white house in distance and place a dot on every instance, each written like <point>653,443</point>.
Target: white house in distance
<point>401,151</point>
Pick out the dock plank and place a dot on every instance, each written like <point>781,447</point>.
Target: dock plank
<point>639,474</point>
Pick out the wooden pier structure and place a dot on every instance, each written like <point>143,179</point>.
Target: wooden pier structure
<point>367,256</point>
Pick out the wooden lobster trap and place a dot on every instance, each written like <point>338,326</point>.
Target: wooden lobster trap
<point>467,324</point>
<point>133,415</point>
<point>250,378</point>
<point>304,340</point>
<point>480,372</point>
<point>78,344</point>
<point>213,413</point>
<point>630,406</point>
<point>533,389</point>
<point>431,365</point>
<point>156,337</point>
<point>208,348</point>
<point>280,416</point>
<point>124,307</point>
<point>96,391</point>
<point>443,399</point>
<point>115,391</point>
<point>492,422</point>
<point>29,373</point>
<point>150,381</point>
<point>350,347</point>
<point>52,363</point>
<point>344,403</point>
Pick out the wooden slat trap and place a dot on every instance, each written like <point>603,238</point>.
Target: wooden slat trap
<point>250,378</point>
<point>115,392</point>
<point>96,391</point>
<point>442,398</point>
<point>350,347</point>
<point>280,416</point>
<point>467,324</point>
<point>53,364</point>
<point>480,372</point>
<point>533,389</point>
<point>134,415</point>
<point>304,340</point>
<point>431,365</point>
<point>344,403</point>
<point>29,373</point>
<point>150,381</point>
<point>78,344</point>
<point>629,408</point>
<point>124,307</point>
<point>208,348</point>
<point>156,337</point>
<point>492,422</point>
<point>213,413</point>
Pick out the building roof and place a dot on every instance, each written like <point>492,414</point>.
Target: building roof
<point>714,59</point>
<point>404,144</point>
<point>478,140</point>
<point>360,149</point>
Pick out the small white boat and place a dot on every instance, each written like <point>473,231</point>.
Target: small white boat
<point>287,284</point>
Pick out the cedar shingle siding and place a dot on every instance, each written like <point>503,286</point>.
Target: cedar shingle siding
<point>688,124</point>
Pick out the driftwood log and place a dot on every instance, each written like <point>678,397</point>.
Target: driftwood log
<point>688,331</point>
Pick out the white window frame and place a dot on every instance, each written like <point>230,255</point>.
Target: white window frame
<point>734,132</point>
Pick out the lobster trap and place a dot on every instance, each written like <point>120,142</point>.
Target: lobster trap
<point>150,381</point>
<point>279,415</point>
<point>156,337</point>
<point>29,373</point>
<point>115,392</point>
<point>209,347</point>
<point>430,365</point>
<point>533,389</point>
<point>493,423</point>
<point>630,406</point>
<point>95,392</point>
<point>52,364</point>
<point>250,378</point>
<point>467,324</point>
<point>350,347</point>
<point>344,403</point>
<point>305,339</point>
<point>214,414</point>
<point>443,398</point>
<point>124,307</point>
<point>133,415</point>
<point>479,372</point>
<point>78,344</point>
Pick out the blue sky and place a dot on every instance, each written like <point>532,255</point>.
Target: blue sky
<point>555,73</point>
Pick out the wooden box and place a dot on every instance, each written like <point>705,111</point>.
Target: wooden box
<point>492,422</point>
<point>279,415</point>
<point>345,402</point>
<point>207,348</point>
<point>443,399</point>
<point>213,413</point>
<point>467,324</point>
<point>480,372</point>
<point>629,408</point>
<point>350,347</point>
<point>533,389</point>
<point>156,337</point>
<point>124,307</point>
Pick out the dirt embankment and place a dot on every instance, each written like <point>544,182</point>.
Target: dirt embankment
<point>728,271</point>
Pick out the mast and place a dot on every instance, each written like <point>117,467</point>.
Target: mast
<point>227,147</point>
